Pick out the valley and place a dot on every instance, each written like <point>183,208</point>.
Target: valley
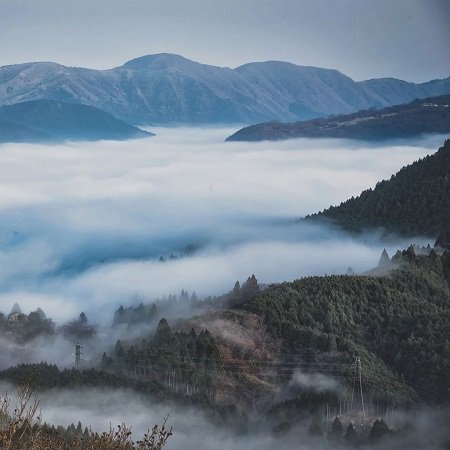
<point>225,225</point>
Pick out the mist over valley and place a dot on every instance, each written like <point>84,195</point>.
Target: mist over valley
<point>84,225</point>
<point>102,238</point>
<point>224,225</point>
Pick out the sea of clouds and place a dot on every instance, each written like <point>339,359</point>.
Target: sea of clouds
<point>83,224</point>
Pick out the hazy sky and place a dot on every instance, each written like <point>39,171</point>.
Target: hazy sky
<point>408,39</point>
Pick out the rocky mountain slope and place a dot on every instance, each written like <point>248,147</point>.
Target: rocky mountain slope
<point>168,88</point>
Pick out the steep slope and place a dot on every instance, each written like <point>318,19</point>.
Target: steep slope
<point>398,322</point>
<point>414,201</point>
<point>48,120</point>
<point>313,89</point>
<point>167,88</point>
<point>431,115</point>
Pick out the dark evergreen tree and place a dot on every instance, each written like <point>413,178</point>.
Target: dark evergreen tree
<point>379,429</point>
<point>351,436</point>
<point>336,430</point>
<point>119,350</point>
<point>384,259</point>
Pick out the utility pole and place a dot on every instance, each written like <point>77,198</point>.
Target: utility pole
<point>357,386</point>
<point>78,353</point>
<point>360,386</point>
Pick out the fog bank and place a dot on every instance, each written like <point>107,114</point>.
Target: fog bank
<point>194,430</point>
<point>84,224</point>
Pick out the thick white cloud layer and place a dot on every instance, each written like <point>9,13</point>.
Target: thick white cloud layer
<point>84,224</point>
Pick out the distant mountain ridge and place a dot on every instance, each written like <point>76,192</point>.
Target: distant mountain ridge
<point>12,132</point>
<point>52,121</point>
<point>427,116</point>
<point>166,88</point>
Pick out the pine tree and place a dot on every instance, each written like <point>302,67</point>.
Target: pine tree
<point>350,435</point>
<point>336,429</point>
<point>379,429</point>
<point>384,259</point>
<point>119,351</point>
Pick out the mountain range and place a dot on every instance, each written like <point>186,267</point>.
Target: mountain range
<point>170,89</point>
<point>53,121</point>
<point>427,116</point>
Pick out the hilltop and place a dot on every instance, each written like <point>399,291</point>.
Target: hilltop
<point>52,121</point>
<point>428,116</point>
<point>414,201</point>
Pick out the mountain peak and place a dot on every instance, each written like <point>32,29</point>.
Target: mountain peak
<point>158,61</point>
<point>168,88</point>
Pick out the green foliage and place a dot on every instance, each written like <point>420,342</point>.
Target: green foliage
<point>3,322</point>
<point>134,315</point>
<point>22,327</point>
<point>38,325</point>
<point>45,376</point>
<point>80,328</point>
<point>379,429</point>
<point>397,324</point>
<point>336,430</point>
<point>415,200</point>
<point>306,404</point>
<point>41,377</point>
<point>184,361</point>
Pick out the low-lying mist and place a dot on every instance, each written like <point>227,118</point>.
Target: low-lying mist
<point>194,430</point>
<point>84,224</point>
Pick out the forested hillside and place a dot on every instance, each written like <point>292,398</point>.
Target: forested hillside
<point>427,116</point>
<point>400,320</point>
<point>414,201</point>
<point>397,324</point>
<point>257,347</point>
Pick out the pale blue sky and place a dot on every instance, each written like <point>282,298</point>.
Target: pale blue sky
<point>408,39</point>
